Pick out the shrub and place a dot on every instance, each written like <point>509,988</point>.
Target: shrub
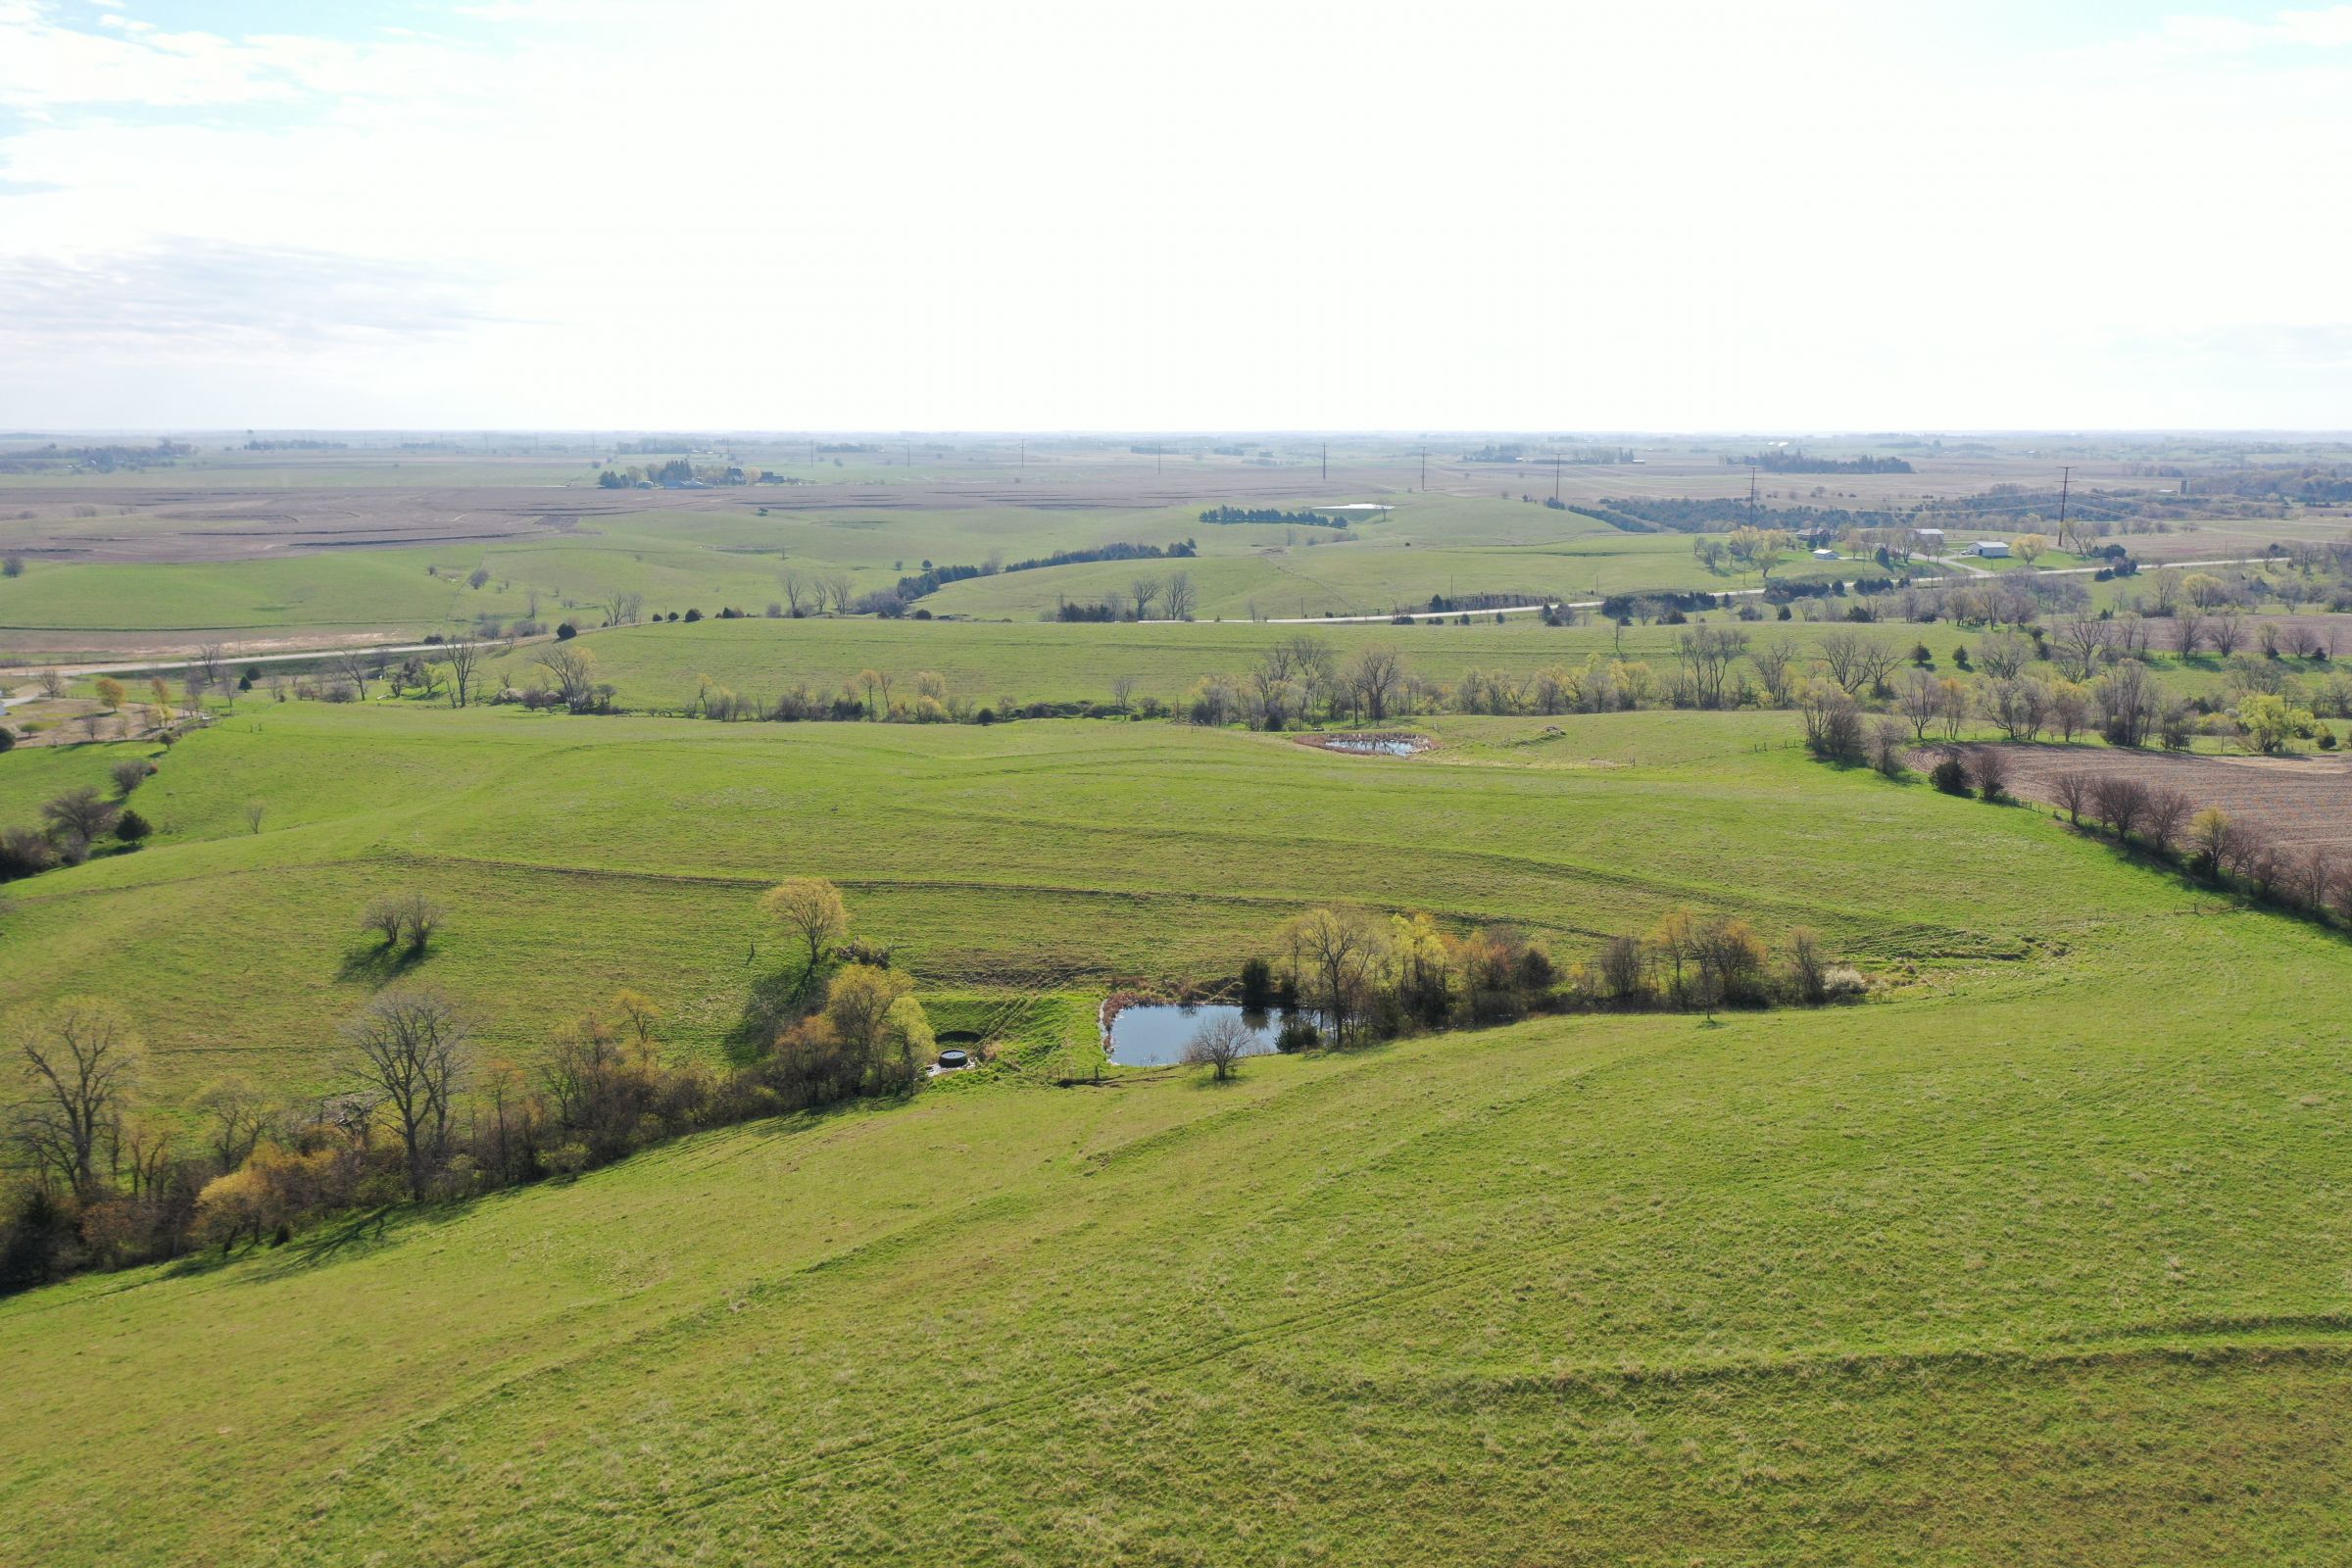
<point>1299,1033</point>
<point>23,853</point>
<point>1258,984</point>
<point>1949,775</point>
<point>130,827</point>
<point>566,631</point>
<point>1989,771</point>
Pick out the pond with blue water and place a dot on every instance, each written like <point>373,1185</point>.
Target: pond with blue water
<point>1154,1034</point>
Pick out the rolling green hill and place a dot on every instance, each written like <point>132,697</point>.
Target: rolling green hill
<point>1037,856</point>
<point>2002,1278</point>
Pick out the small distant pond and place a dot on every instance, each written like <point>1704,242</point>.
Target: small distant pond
<point>1155,1034</point>
<point>1370,743</point>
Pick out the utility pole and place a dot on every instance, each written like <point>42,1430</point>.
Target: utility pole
<point>1425,467</point>
<point>1751,495</point>
<point>1556,476</point>
<point>2066,477</point>
<point>1327,460</point>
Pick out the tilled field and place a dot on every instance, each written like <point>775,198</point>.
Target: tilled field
<point>2295,801</point>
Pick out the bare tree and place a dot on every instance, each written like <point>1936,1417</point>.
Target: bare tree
<point>574,674</point>
<point>2167,811</point>
<point>838,588</point>
<point>81,1067</point>
<point>1179,595</point>
<point>1374,675</point>
<point>420,917</point>
<point>53,684</point>
<point>212,663</point>
<point>1920,700</point>
<point>355,667</point>
<point>1775,663</point>
<point>235,1115</point>
<point>465,659</point>
<point>410,1048</point>
<point>1841,654</point>
<point>383,918</point>
<point>2071,790</point>
<point>624,609</point>
<point>1217,1045</point>
<point>2188,628</point>
<point>78,813</point>
<point>2226,631</point>
<point>1338,948</point>
<point>254,811</point>
<point>1144,591</point>
<point>1122,691</point>
<point>797,592</point>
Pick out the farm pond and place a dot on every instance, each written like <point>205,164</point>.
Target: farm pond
<point>1154,1034</point>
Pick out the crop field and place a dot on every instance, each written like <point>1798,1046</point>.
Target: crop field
<point>2295,802</point>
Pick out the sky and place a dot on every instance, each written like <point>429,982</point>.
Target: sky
<point>1660,215</point>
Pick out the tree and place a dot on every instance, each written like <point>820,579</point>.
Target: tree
<point>797,592</point>
<point>1217,1045</point>
<point>809,908</point>
<point>128,775</point>
<point>2028,546</point>
<point>421,917</point>
<point>1707,653</point>
<point>624,609</point>
<point>573,671</point>
<point>2268,722</point>
<point>1373,675</point>
<point>110,694</point>
<point>383,916</point>
<point>2071,790</point>
<point>235,1114</point>
<point>2166,809</point>
<point>1842,654</point>
<point>1920,700</point>
<point>1122,690</point>
<point>254,811</point>
<point>1180,598</point>
<point>355,667</point>
<point>80,815</point>
<point>80,1063</point>
<point>1333,953</point>
<point>836,587</point>
<point>1775,664</point>
<point>2213,840</point>
<point>1144,591</point>
<point>411,1049</point>
<point>464,659</point>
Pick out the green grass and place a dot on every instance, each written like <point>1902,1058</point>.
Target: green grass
<point>1034,857</point>
<point>1989,1276</point>
<point>2039,1257</point>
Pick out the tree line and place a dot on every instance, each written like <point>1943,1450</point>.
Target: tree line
<point>99,1177</point>
<point>1345,976</point>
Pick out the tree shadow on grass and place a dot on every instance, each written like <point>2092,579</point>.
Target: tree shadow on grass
<point>775,1001</point>
<point>374,963</point>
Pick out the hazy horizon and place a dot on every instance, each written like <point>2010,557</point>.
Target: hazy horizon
<point>612,215</point>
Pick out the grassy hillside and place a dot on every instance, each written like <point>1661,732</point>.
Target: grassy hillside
<point>1999,1277</point>
<point>1037,856</point>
